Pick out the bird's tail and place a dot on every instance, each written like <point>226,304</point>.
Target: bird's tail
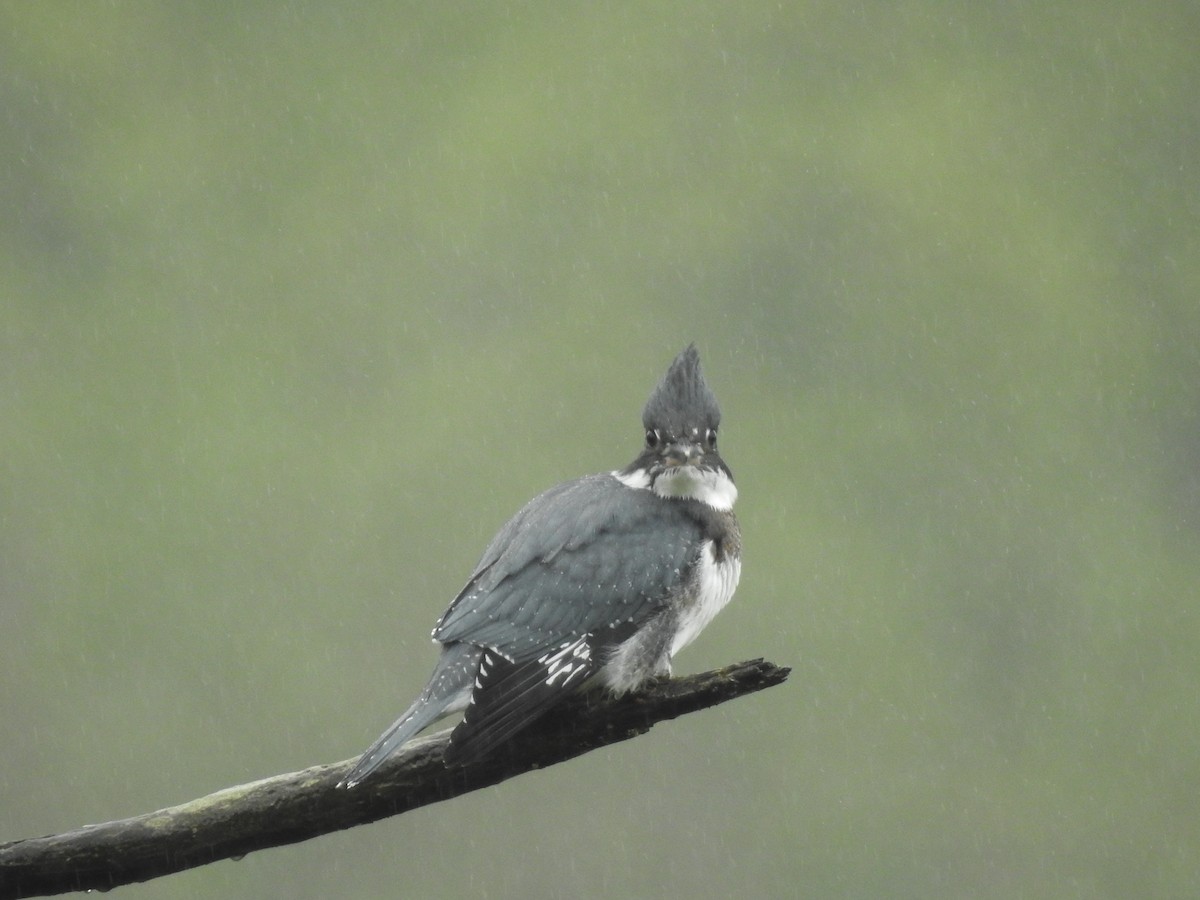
<point>448,691</point>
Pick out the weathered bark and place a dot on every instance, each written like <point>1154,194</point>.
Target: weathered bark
<point>297,806</point>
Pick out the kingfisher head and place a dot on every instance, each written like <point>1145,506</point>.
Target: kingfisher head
<point>680,459</point>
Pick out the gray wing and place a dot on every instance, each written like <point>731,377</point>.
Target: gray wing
<point>575,572</point>
<point>590,556</point>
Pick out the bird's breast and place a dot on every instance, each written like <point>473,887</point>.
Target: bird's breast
<point>715,579</point>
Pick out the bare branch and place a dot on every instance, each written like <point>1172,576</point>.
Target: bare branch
<point>297,806</point>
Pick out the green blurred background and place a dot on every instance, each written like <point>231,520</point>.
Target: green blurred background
<point>300,303</point>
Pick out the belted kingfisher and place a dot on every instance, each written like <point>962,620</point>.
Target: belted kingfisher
<point>598,580</point>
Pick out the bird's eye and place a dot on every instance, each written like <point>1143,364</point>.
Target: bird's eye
<point>710,437</point>
<point>652,438</point>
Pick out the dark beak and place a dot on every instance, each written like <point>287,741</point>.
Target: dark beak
<point>682,453</point>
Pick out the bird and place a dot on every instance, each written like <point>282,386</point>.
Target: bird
<point>601,580</point>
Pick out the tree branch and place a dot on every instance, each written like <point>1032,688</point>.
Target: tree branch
<point>297,806</point>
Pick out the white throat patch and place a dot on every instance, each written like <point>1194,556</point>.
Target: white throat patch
<point>711,486</point>
<point>638,479</point>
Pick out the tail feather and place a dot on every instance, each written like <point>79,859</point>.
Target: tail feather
<point>448,691</point>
